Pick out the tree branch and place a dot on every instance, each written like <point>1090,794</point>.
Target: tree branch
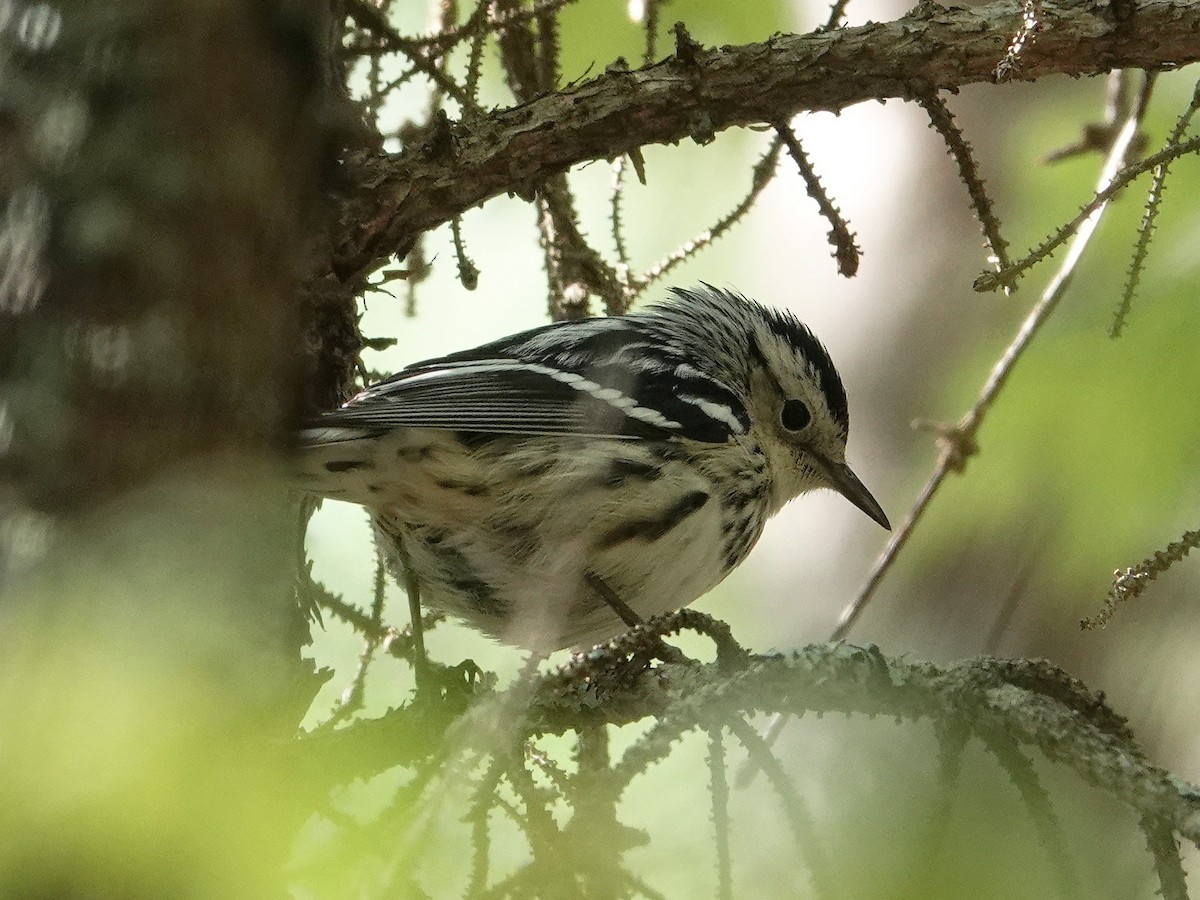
<point>1023,703</point>
<point>932,48</point>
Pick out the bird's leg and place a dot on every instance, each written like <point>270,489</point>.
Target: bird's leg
<point>412,587</point>
<point>628,616</point>
<point>614,601</point>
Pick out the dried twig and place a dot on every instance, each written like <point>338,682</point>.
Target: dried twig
<point>1149,217</point>
<point>1168,865</point>
<point>468,272</point>
<point>1129,583</point>
<point>1037,803</point>
<point>841,238</point>
<point>989,281</point>
<point>616,224</point>
<point>942,119</point>
<point>719,790</point>
<point>764,170</point>
<point>837,12</point>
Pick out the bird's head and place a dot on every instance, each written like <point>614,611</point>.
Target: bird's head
<point>791,389</point>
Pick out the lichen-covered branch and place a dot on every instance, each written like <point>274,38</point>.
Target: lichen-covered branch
<point>1018,703</point>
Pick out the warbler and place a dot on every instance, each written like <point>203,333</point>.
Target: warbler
<point>553,486</point>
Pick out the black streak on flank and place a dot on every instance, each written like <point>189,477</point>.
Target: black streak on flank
<point>468,583</point>
<point>739,545</point>
<point>652,529</point>
<point>346,465</point>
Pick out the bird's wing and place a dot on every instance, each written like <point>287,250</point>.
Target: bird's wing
<point>588,378</point>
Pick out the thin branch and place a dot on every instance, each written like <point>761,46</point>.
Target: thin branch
<point>351,700</point>
<point>841,238</point>
<point>553,771</point>
<point>803,827</point>
<point>468,272</point>
<point>952,740</point>
<point>446,39</point>
<point>989,281</point>
<point>475,57</point>
<point>575,270</point>
<point>518,54</point>
<point>334,604</point>
<point>483,799</point>
<point>651,748</point>
<point>538,822</point>
<point>391,42</point>
<point>1017,591</point>
<point>958,441</point>
<point>719,790</point>
<point>837,11</point>
<point>369,18</point>
<point>640,888</point>
<point>1149,217</point>
<point>1129,583</point>
<point>1097,137</point>
<point>1037,803</point>
<point>943,120</point>
<point>761,176</point>
<point>548,58</point>
<point>1168,864</point>
<point>650,24</point>
<point>616,224</point>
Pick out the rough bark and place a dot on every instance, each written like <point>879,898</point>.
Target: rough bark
<point>162,164</point>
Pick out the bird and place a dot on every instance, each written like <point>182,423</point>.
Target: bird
<point>554,487</point>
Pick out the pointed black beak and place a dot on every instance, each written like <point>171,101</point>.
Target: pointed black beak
<point>847,484</point>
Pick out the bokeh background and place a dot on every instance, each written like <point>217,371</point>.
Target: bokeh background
<point>1088,463</point>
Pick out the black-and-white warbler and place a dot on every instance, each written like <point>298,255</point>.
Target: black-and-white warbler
<point>544,485</point>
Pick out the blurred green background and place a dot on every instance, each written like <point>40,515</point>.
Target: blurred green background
<point>1088,464</point>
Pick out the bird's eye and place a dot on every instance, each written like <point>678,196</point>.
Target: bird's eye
<point>795,415</point>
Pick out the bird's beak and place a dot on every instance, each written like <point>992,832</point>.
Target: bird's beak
<point>847,484</point>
